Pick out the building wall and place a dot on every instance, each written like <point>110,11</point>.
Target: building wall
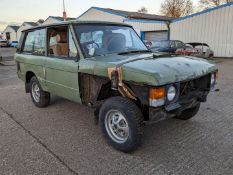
<point>97,15</point>
<point>139,25</point>
<point>13,34</point>
<point>146,25</point>
<point>214,27</point>
<point>24,26</point>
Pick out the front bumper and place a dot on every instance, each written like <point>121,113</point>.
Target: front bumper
<point>190,94</point>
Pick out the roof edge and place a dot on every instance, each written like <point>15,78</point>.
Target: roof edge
<point>202,12</point>
<point>145,21</point>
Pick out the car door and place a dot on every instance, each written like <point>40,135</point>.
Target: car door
<point>62,70</point>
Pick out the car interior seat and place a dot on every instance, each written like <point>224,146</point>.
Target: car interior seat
<point>115,42</point>
<point>61,47</point>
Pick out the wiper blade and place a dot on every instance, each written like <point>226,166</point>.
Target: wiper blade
<point>134,51</point>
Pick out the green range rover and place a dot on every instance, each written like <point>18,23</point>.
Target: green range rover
<point>106,66</point>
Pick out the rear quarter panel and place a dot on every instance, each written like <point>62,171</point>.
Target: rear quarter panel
<point>31,63</point>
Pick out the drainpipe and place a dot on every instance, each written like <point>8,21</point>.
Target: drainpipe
<point>168,27</point>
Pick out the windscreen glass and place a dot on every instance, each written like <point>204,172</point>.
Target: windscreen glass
<point>97,40</point>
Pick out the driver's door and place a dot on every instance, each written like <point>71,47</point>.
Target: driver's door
<point>61,71</point>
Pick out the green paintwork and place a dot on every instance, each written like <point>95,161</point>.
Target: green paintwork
<point>150,71</point>
<point>60,76</point>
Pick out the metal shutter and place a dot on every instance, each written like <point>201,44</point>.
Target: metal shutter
<point>156,36</point>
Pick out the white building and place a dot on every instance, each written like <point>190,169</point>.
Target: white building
<point>10,33</point>
<point>55,19</point>
<point>24,26</point>
<point>213,26</point>
<point>150,27</point>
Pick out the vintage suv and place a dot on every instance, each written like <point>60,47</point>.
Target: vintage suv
<point>106,66</point>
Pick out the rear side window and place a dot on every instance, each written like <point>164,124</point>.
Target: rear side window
<point>35,42</point>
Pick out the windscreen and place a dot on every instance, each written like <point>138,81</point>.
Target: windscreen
<point>97,40</point>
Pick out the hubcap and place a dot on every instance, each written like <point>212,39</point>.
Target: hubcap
<point>117,126</point>
<point>35,92</point>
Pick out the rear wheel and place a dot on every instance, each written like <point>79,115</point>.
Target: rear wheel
<point>189,113</point>
<point>39,97</point>
<point>122,124</point>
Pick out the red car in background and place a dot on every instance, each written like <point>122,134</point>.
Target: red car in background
<point>196,49</point>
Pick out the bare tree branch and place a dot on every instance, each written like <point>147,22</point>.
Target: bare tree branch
<point>177,8</point>
<point>205,4</point>
<point>143,10</point>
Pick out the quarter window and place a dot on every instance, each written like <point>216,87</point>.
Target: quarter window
<point>35,42</point>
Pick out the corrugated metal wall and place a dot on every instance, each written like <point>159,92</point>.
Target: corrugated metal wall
<point>214,27</point>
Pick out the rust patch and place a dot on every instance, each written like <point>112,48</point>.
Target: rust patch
<point>115,75</point>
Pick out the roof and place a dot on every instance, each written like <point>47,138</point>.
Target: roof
<point>60,18</point>
<point>76,22</point>
<point>31,23</point>
<point>15,28</point>
<point>131,15</point>
<point>202,12</point>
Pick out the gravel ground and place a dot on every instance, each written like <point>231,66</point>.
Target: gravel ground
<point>63,138</point>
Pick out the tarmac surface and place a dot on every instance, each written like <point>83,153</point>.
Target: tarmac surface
<point>63,138</point>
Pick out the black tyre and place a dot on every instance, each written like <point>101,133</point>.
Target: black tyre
<point>39,97</point>
<point>189,113</point>
<point>122,123</point>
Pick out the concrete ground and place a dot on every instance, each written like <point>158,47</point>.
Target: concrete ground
<point>63,139</point>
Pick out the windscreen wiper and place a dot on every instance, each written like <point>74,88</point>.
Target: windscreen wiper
<point>134,51</point>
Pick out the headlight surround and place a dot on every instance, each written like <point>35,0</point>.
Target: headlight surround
<point>171,93</point>
<point>212,81</point>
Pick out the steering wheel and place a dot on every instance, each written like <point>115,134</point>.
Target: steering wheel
<point>91,42</point>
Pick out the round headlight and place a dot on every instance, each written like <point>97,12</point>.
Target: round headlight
<point>212,79</point>
<point>171,93</point>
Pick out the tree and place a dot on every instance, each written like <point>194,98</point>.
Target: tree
<point>205,4</point>
<point>176,8</point>
<point>143,10</point>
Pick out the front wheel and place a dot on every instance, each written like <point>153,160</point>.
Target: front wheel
<point>189,113</point>
<point>122,123</point>
<point>39,97</point>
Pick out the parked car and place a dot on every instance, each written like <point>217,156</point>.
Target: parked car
<point>106,66</point>
<point>3,43</point>
<point>196,49</point>
<point>169,46</point>
<point>14,44</point>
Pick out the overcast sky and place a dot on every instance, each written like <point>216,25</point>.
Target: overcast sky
<point>17,11</point>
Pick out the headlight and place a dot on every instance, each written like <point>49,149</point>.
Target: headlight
<point>213,81</point>
<point>171,93</point>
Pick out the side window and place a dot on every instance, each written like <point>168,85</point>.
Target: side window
<point>35,42</point>
<point>179,44</point>
<point>72,48</point>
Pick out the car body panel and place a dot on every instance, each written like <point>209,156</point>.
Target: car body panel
<point>34,64</point>
<point>62,78</point>
<point>150,71</point>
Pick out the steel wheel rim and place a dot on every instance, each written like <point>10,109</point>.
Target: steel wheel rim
<point>117,126</point>
<point>35,92</point>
